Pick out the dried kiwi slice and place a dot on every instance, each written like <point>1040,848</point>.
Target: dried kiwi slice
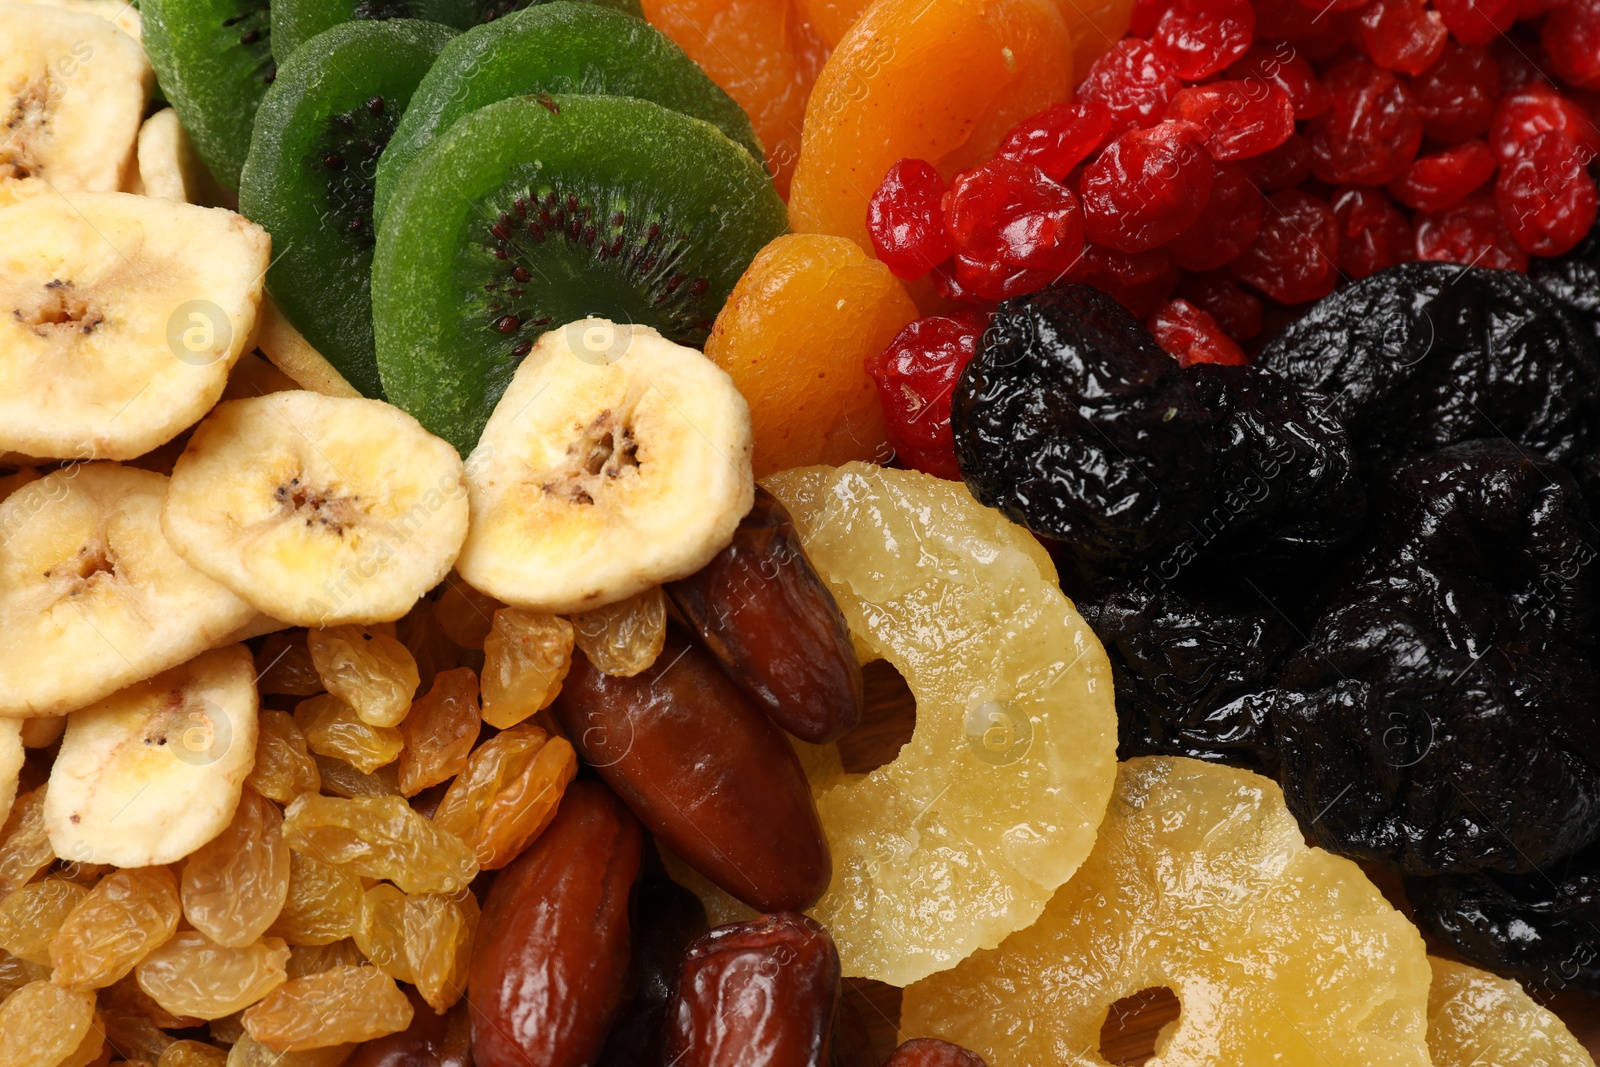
<point>558,48</point>
<point>294,22</point>
<point>537,211</point>
<point>214,62</point>
<point>310,174</point>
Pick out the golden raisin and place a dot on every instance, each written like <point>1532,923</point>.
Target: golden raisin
<point>465,615</point>
<point>228,1030</point>
<point>284,666</point>
<point>429,647</point>
<point>369,670</point>
<point>234,885</point>
<point>126,997</point>
<point>193,975</point>
<point>624,638</point>
<point>323,904</point>
<point>134,1035</point>
<point>332,728</point>
<point>91,1051</point>
<point>16,973</point>
<point>525,659</point>
<point>438,940</point>
<point>314,959</point>
<point>338,1006</point>
<point>339,779</point>
<point>44,1024</point>
<point>508,793</point>
<point>284,768</point>
<point>123,919</point>
<point>30,917</point>
<point>192,1054</point>
<point>24,845</point>
<point>380,837</point>
<point>248,1052</point>
<point>382,932</point>
<point>440,731</point>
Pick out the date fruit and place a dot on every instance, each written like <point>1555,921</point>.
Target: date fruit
<point>761,608</point>
<point>762,991</point>
<point>430,1041</point>
<point>666,919</point>
<point>544,986</point>
<point>931,1052</point>
<point>705,770</point>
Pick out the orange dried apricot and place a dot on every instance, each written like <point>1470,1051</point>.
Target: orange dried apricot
<point>795,335</point>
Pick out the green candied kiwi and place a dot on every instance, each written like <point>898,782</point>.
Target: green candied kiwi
<point>309,177</point>
<point>558,48</point>
<point>294,22</point>
<point>214,62</point>
<point>537,211</point>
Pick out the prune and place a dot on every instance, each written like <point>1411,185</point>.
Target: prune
<point>1441,717</point>
<point>666,918</point>
<point>1427,354</point>
<point>1574,279</point>
<point>1538,927</point>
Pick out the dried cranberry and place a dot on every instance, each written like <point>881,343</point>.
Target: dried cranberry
<point>1317,39</point>
<point>1201,38</point>
<point>1536,9</point>
<point>1140,282</point>
<point>906,221</point>
<point>1191,336</point>
<point>1133,82</point>
<point>1571,39</point>
<point>1444,179</point>
<point>1374,235</point>
<point>974,280</point>
<point>1546,196</point>
<point>1282,168</point>
<point>1146,15</point>
<point>1236,310</point>
<point>1518,69</point>
<point>1240,119</point>
<point>1471,233</point>
<point>1226,226</point>
<point>1403,35</point>
<point>1371,133</point>
<point>1059,137</point>
<point>1456,95</point>
<point>1146,187</point>
<point>1294,257</point>
<point>915,376</point>
<point>1278,64</point>
<point>1005,214</point>
<point>1523,115</point>
<point>1477,21</point>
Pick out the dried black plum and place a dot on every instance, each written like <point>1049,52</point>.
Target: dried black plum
<point>1574,279</point>
<point>1441,718</point>
<point>1427,354</point>
<point>1542,928</point>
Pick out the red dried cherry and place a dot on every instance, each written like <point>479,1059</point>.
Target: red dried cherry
<point>1546,196</point>
<point>1191,336</point>
<point>1240,119</point>
<point>1571,39</point>
<point>1059,137</point>
<point>1146,15</point>
<point>1226,226</point>
<point>1317,39</point>
<point>1282,168</point>
<point>1293,258</point>
<point>1403,35</point>
<point>906,220</point>
<point>1444,179</point>
<point>1477,21</point>
<point>1009,214</point>
<point>1372,132</point>
<point>974,280</point>
<point>1236,310</point>
<point>1521,116</point>
<point>1201,38</point>
<point>1373,234</point>
<point>1456,96</point>
<point>1278,64</point>
<point>915,376</point>
<point>1471,233</point>
<point>1518,69</point>
<point>1133,83</point>
<point>1141,281</point>
<point>1147,187</point>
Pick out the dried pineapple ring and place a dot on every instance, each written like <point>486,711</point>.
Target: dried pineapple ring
<point>1475,1019</point>
<point>994,801</point>
<point>1202,882</point>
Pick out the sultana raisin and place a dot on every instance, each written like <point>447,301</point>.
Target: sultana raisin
<point>124,997</point>
<point>248,1052</point>
<point>133,1034</point>
<point>432,651</point>
<point>525,659</point>
<point>125,917</point>
<point>16,972</point>
<point>24,845</point>
<point>193,975</point>
<point>283,666</point>
<point>341,1005</point>
<point>508,793</point>
<point>44,1024</point>
<point>192,1054</point>
<point>323,904</point>
<point>314,959</point>
<point>234,886</point>
<point>368,669</point>
<point>624,638</point>
<point>440,731</point>
<point>228,1030</point>
<point>284,768</point>
<point>465,615</point>
<point>381,933</point>
<point>30,917</point>
<point>339,779</point>
<point>332,728</point>
<point>380,837</point>
<point>439,930</point>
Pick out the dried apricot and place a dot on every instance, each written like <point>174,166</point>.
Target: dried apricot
<point>234,886</point>
<point>283,666</point>
<point>438,936</point>
<point>125,917</point>
<point>380,837</point>
<point>283,768</point>
<point>624,637</point>
<point>381,934</point>
<point>1200,882</point>
<point>526,656</point>
<point>508,793</point>
<point>795,335</point>
<point>1095,30</point>
<point>994,801</point>
<point>323,904</point>
<point>940,80</point>
<point>366,668</point>
<point>338,1006</point>
<point>24,844</point>
<point>1476,1019</point>
<point>440,731</point>
<point>465,615</point>
<point>332,728</point>
<point>30,917</point>
<point>193,975</point>
<point>44,1024</point>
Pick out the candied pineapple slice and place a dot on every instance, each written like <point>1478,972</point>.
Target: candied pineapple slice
<point>1201,882</point>
<point>1478,1020</point>
<point>994,801</point>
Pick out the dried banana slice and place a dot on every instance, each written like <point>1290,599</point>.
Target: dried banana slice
<point>1478,1020</point>
<point>168,166</point>
<point>120,317</point>
<point>92,598</point>
<point>120,13</point>
<point>12,753</point>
